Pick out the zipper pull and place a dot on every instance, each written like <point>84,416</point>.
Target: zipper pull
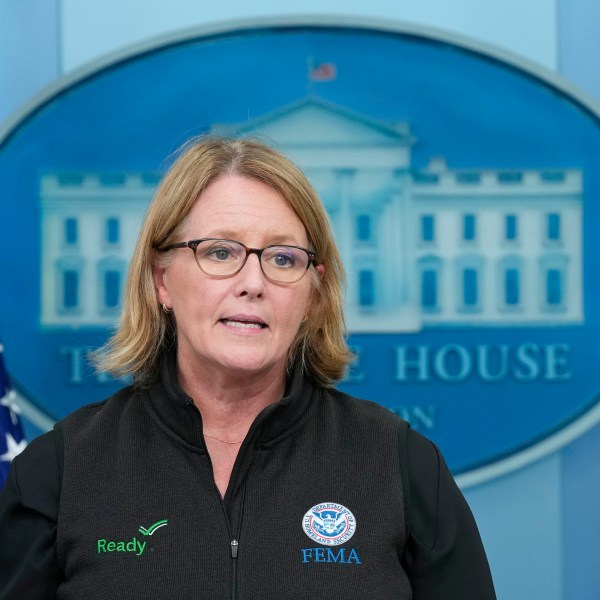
<point>234,548</point>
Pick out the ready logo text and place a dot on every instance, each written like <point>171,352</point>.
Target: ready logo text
<point>132,546</point>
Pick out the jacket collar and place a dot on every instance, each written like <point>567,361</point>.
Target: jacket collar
<point>177,412</point>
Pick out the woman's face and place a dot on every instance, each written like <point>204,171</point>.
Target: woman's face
<point>243,324</point>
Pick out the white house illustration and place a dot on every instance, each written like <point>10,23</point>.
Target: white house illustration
<point>90,223</point>
<point>422,248</point>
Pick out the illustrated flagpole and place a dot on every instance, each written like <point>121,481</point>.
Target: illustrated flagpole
<point>310,84</point>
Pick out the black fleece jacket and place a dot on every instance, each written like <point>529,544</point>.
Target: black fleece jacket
<point>330,497</point>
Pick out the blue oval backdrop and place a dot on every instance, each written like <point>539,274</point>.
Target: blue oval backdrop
<point>462,190</point>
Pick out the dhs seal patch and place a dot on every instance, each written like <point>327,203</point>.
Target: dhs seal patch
<point>329,524</point>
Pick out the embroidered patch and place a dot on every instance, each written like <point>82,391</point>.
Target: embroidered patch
<point>329,524</point>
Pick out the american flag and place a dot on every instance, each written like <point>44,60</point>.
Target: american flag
<point>12,440</point>
<point>322,72</point>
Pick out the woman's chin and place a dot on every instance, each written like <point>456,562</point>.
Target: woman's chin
<point>250,365</point>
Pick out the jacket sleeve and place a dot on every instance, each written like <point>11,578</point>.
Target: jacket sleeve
<point>444,556</point>
<point>28,517</point>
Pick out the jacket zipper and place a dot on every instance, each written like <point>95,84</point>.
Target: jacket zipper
<point>233,541</point>
<point>234,553</point>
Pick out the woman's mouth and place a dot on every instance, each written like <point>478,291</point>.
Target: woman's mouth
<point>243,323</point>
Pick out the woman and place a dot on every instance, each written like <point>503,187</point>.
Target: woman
<point>231,468</point>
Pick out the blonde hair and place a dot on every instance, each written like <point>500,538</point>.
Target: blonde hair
<point>146,330</point>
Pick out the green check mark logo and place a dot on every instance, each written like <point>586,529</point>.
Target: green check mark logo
<point>150,530</point>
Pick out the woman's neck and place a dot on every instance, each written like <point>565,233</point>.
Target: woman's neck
<point>229,403</point>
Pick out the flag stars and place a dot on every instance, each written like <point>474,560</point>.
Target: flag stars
<point>10,427</point>
<point>10,401</point>
<point>13,448</point>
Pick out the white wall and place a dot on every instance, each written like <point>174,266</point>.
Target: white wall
<point>94,28</point>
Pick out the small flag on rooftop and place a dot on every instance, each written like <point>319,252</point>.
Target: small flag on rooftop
<point>12,440</point>
<point>323,72</point>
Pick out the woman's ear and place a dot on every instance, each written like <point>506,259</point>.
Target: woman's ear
<point>162,293</point>
<point>320,270</point>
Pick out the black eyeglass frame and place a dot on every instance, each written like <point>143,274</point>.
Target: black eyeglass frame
<point>193,245</point>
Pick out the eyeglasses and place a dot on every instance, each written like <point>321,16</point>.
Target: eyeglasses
<point>224,258</point>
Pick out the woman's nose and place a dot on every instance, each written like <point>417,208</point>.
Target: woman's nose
<point>251,277</point>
